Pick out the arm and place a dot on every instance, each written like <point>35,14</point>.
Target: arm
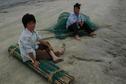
<point>29,50</point>
<point>70,21</point>
<point>81,22</point>
<point>43,42</point>
<point>34,61</point>
<point>38,36</point>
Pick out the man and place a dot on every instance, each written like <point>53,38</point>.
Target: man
<point>75,23</point>
<point>32,47</point>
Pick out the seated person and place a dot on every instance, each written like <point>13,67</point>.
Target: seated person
<point>32,47</point>
<point>75,23</point>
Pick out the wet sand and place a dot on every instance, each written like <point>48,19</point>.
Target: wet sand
<point>99,60</point>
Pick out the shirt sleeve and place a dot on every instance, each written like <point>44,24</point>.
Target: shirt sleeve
<point>71,20</point>
<point>26,42</point>
<point>68,22</point>
<point>38,36</point>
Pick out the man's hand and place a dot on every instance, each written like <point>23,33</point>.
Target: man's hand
<point>81,23</point>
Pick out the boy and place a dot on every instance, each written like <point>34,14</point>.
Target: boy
<point>75,23</point>
<point>32,47</point>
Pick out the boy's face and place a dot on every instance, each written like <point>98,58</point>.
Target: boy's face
<point>31,26</point>
<point>76,10</point>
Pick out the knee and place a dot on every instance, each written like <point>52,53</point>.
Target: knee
<point>43,42</point>
<point>38,50</point>
<point>47,42</point>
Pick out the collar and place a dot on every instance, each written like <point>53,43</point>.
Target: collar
<point>28,32</point>
<point>76,14</point>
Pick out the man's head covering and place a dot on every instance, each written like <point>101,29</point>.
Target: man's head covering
<point>77,5</point>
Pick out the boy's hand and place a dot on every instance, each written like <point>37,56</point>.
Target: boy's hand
<point>36,64</point>
<point>37,42</point>
<point>34,61</point>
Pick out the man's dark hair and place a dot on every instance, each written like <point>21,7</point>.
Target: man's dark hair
<point>77,5</point>
<point>28,18</point>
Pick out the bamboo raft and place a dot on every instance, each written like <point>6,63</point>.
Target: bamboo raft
<point>48,69</point>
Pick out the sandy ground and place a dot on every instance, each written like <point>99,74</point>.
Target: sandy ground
<point>99,60</point>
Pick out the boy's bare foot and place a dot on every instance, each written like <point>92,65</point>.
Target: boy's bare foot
<point>77,37</point>
<point>57,59</point>
<point>60,51</point>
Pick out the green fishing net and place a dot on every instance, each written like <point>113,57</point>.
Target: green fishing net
<point>60,31</point>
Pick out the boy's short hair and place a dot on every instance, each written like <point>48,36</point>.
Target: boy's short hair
<point>77,5</point>
<point>28,18</point>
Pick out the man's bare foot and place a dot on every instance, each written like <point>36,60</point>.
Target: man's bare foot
<point>92,34</point>
<point>77,37</point>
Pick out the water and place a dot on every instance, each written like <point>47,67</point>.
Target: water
<point>11,3</point>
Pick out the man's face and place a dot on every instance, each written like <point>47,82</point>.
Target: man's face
<point>31,25</point>
<point>76,10</point>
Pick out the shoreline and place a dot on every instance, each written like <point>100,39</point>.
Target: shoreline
<point>10,4</point>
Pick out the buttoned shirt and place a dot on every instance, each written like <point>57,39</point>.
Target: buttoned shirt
<point>28,43</point>
<point>72,19</point>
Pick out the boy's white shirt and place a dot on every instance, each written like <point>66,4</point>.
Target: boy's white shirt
<point>28,43</point>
